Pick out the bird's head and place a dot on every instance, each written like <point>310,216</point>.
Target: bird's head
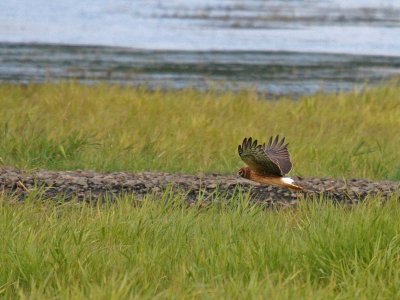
<point>244,172</point>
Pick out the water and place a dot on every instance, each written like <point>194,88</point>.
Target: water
<point>279,47</point>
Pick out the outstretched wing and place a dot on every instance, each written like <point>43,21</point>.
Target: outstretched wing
<point>270,159</point>
<point>278,152</point>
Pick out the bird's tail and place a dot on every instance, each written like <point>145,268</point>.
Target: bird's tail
<point>288,182</point>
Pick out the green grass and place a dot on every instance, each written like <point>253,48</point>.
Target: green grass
<point>159,248</point>
<point>153,249</point>
<point>110,128</point>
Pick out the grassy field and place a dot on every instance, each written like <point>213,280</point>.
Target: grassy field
<point>165,250</point>
<point>159,250</point>
<point>109,128</point>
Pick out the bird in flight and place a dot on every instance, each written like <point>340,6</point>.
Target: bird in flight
<point>267,163</point>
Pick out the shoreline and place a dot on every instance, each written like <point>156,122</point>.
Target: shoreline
<point>275,73</point>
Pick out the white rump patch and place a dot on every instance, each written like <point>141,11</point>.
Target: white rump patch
<point>287,180</point>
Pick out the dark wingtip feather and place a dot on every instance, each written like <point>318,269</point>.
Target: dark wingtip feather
<point>244,144</point>
<point>249,142</point>
<point>270,141</point>
<point>276,140</point>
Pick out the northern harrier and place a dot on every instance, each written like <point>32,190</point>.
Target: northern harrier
<point>267,163</point>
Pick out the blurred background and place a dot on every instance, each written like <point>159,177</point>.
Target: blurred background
<point>277,47</point>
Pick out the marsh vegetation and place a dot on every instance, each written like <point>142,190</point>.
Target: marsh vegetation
<point>159,248</point>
